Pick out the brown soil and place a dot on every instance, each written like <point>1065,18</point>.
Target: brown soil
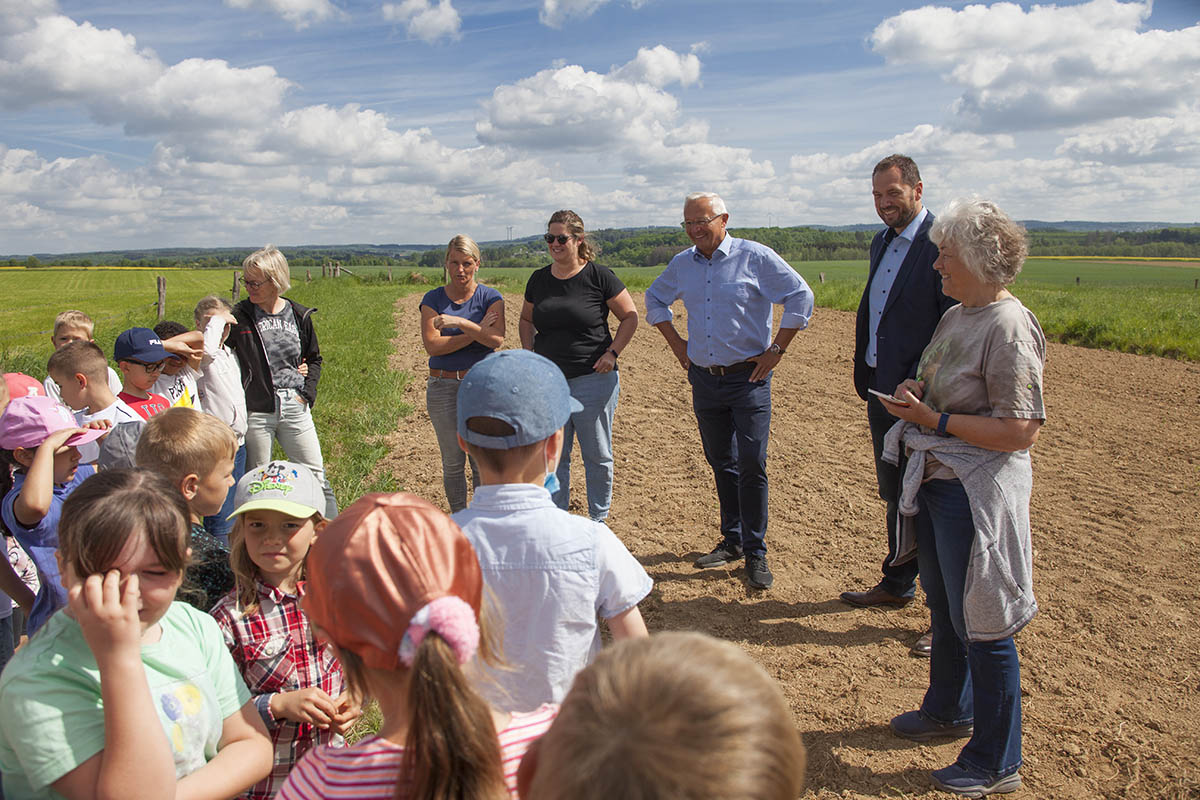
<point>1111,674</point>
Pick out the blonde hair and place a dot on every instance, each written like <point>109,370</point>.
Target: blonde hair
<point>451,751</point>
<point>245,571</point>
<point>464,244</point>
<point>272,264</point>
<point>74,319</point>
<point>85,358</point>
<point>680,715</point>
<point>183,441</point>
<point>209,304</point>
<point>574,224</point>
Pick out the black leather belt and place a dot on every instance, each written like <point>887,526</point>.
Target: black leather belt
<point>732,369</point>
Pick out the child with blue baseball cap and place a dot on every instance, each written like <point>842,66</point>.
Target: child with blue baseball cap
<point>553,574</point>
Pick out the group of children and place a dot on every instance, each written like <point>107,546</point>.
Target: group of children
<point>478,637</point>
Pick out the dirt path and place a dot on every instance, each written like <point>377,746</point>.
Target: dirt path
<point>1111,666</point>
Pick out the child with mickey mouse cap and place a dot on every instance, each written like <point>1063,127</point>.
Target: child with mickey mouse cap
<point>295,680</point>
<point>397,589</point>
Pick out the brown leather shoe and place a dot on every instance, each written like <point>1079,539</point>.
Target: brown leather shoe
<point>923,648</point>
<point>875,597</point>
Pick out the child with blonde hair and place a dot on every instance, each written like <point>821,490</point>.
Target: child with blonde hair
<point>75,326</point>
<point>126,693</point>
<point>678,716</point>
<point>397,589</point>
<point>296,682</point>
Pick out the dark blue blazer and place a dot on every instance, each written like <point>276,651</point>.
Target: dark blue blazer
<point>913,308</point>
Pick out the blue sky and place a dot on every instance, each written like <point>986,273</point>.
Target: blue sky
<point>237,122</point>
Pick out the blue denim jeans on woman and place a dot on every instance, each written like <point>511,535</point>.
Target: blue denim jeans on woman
<point>976,681</point>
<point>597,393</point>
<point>441,401</point>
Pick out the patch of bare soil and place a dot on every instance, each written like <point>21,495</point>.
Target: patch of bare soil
<point>1110,667</point>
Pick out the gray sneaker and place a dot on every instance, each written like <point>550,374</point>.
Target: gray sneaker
<point>758,574</point>
<point>721,555</point>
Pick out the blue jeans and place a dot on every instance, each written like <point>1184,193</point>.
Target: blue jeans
<point>899,580</point>
<point>598,394</point>
<point>441,401</point>
<point>734,416</point>
<point>292,424</point>
<point>219,525</point>
<point>978,681</point>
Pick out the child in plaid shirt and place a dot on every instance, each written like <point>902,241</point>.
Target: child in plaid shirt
<point>296,682</point>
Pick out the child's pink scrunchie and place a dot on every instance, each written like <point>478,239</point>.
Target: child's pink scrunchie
<point>452,619</point>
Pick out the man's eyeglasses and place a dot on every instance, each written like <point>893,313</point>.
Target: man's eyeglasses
<point>155,367</point>
<point>551,238</point>
<point>694,223</point>
<point>252,284</point>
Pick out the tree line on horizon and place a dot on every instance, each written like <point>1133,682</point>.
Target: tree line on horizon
<point>630,247</point>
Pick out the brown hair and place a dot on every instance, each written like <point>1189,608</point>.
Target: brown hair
<point>909,174</point>
<point>498,459</point>
<point>85,358</point>
<point>209,304</point>
<point>109,508</point>
<point>245,571</point>
<point>183,441</point>
<point>574,225</point>
<point>680,715</point>
<point>451,752</point>
<point>74,319</point>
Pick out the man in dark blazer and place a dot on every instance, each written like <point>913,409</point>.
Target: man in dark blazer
<point>900,308</point>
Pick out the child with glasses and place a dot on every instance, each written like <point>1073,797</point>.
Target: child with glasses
<point>140,354</point>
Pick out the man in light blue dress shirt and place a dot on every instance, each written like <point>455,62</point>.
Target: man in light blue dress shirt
<point>729,287</point>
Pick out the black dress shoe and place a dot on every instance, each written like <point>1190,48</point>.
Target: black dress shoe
<point>923,647</point>
<point>721,555</point>
<point>877,596</point>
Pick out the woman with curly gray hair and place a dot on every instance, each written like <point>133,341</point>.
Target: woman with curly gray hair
<point>966,424</point>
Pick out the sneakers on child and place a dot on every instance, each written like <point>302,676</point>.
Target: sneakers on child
<point>916,726</point>
<point>965,781</point>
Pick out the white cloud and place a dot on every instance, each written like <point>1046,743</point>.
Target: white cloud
<point>300,13</point>
<point>556,12</point>
<point>660,66</point>
<point>424,20</point>
<point>1128,140</point>
<point>1049,66</point>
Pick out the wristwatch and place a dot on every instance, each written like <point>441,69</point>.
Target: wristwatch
<point>776,349</point>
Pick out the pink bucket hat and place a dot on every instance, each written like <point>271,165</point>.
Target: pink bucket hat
<point>29,421</point>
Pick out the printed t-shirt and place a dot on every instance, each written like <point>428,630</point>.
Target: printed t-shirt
<point>369,769</point>
<point>281,341</point>
<point>179,389</point>
<point>146,407</point>
<point>986,361</point>
<point>571,316</point>
<point>52,717</point>
<point>40,542</point>
<point>474,309</point>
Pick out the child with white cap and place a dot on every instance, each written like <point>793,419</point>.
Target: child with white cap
<point>296,682</point>
<point>554,574</point>
<point>396,587</point>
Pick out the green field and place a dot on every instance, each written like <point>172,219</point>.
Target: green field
<point>1133,307</point>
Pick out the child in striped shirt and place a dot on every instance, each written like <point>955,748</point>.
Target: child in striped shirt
<point>295,681</point>
<point>397,588</point>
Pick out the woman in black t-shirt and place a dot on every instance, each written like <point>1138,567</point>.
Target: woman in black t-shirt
<point>565,319</point>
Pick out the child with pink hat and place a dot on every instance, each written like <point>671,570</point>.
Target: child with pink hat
<point>396,588</point>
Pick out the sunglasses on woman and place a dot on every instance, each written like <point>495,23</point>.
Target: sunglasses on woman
<point>551,238</point>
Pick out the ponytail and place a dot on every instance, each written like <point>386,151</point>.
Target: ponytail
<point>452,752</point>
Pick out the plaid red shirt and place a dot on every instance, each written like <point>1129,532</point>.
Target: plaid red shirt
<point>276,652</point>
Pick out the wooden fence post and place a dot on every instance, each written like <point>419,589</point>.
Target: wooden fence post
<point>822,276</point>
<point>389,276</point>
<point>162,297</point>
<point>1076,280</point>
<point>236,291</point>
<point>324,267</point>
<point>308,276</point>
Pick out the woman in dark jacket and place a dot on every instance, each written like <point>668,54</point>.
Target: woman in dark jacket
<point>277,349</point>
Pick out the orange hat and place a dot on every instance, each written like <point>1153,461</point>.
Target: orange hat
<point>381,562</point>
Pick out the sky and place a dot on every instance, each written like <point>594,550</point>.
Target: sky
<point>138,124</point>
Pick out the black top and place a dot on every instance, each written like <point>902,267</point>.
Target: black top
<point>571,316</point>
<point>208,577</point>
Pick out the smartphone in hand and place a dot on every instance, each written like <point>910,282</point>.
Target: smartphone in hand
<point>889,398</point>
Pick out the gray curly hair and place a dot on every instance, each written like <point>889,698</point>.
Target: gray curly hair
<point>989,242</point>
